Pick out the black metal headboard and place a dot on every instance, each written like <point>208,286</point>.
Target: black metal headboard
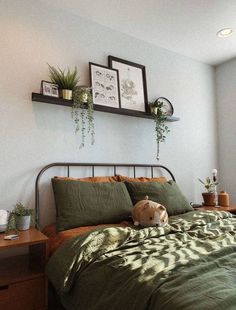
<point>92,165</point>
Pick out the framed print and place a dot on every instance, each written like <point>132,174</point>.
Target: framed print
<point>105,85</point>
<point>132,83</point>
<point>49,89</point>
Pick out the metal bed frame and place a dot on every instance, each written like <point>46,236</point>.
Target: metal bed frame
<point>68,165</point>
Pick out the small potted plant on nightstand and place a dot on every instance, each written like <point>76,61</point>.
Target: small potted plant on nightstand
<point>22,216</point>
<point>210,197</point>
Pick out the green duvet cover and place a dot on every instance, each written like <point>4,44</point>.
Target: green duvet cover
<point>189,264</point>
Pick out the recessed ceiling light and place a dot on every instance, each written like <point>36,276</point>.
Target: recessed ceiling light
<point>224,33</point>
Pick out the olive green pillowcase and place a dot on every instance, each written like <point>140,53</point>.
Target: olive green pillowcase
<point>80,203</point>
<point>168,194</point>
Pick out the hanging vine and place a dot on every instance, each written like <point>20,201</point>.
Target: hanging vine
<point>161,128</point>
<point>83,110</point>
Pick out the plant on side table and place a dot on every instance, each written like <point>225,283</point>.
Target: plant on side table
<point>161,128</point>
<point>210,197</point>
<point>22,215</point>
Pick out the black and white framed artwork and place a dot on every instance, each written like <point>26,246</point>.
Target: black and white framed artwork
<point>105,85</point>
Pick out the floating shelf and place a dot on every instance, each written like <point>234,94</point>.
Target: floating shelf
<point>68,103</point>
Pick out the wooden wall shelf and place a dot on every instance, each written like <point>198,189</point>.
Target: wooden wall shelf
<point>68,103</point>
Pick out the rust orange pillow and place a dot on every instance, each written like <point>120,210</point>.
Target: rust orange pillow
<point>107,179</point>
<point>122,178</point>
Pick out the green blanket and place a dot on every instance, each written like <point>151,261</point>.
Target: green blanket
<point>189,264</point>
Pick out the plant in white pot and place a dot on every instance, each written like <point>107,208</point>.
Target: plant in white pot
<point>22,215</point>
<point>66,80</point>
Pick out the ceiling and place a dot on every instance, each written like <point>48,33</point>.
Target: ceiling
<point>187,27</point>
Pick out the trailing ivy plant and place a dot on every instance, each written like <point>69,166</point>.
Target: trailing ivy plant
<point>161,129</point>
<point>82,113</point>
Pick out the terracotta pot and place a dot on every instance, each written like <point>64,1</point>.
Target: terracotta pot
<point>223,199</point>
<point>209,199</point>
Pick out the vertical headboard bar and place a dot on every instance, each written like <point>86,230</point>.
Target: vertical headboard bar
<point>152,171</point>
<point>93,165</point>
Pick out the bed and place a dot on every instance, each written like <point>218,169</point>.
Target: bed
<point>188,264</point>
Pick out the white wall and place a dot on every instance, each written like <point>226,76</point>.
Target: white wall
<point>226,108</point>
<point>34,134</point>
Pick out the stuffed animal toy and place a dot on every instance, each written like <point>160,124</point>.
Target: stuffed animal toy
<point>149,213</point>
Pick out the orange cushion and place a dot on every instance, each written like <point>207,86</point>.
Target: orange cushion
<point>123,178</point>
<point>92,179</point>
<point>57,238</point>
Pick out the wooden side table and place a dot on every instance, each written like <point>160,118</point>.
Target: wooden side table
<point>23,284</point>
<point>231,209</point>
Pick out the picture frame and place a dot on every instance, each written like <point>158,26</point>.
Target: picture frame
<point>49,89</point>
<point>132,83</point>
<point>105,85</point>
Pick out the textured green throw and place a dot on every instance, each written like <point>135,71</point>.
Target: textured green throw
<point>188,265</point>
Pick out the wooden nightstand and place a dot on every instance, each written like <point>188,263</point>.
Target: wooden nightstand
<point>23,284</point>
<point>231,209</point>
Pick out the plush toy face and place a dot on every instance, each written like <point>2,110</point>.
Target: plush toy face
<point>149,213</point>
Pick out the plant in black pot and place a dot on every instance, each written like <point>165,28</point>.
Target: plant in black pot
<point>22,215</point>
<point>66,80</point>
<point>210,197</point>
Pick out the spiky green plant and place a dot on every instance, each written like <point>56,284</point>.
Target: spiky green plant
<point>65,79</point>
<point>160,123</point>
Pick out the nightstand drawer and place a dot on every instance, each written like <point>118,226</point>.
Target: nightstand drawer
<point>27,295</point>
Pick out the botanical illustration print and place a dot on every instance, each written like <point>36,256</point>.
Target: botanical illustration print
<point>131,86</point>
<point>105,91</point>
<point>128,89</point>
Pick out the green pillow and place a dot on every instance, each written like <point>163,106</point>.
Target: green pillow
<point>81,203</point>
<point>168,194</point>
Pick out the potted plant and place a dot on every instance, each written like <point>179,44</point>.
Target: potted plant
<point>22,215</point>
<point>83,110</point>
<point>66,80</point>
<point>210,197</point>
<point>161,128</point>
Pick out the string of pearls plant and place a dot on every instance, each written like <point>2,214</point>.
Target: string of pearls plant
<point>82,108</point>
<point>161,129</point>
